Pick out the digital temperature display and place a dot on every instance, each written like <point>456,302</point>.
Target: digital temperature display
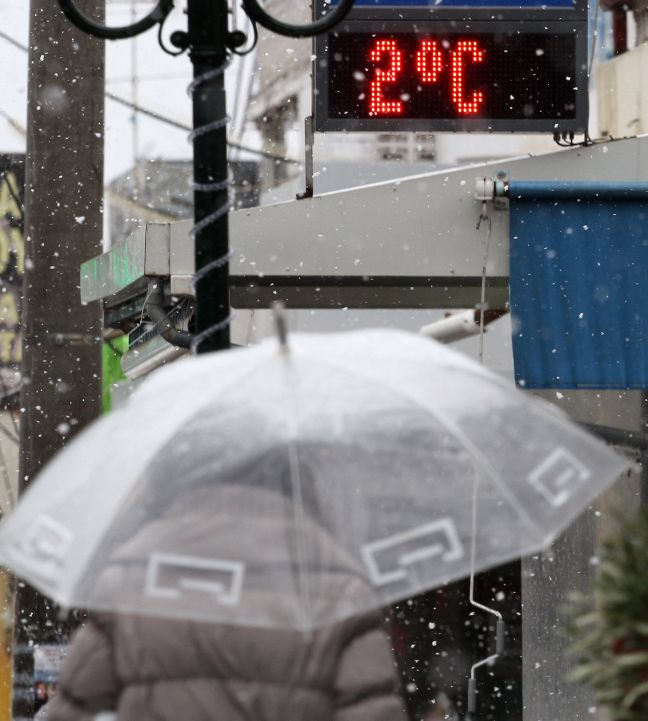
<point>455,80</point>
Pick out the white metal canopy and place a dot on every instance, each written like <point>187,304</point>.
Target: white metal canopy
<point>409,243</point>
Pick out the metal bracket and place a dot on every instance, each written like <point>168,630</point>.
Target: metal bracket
<point>500,201</point>
<point>309,140</point>
<point>70,339</point>
<point>496,190</point>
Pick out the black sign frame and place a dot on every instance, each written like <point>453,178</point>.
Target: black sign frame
<point>438,20</point>
<point>577,124</point>
<point>396,14</point>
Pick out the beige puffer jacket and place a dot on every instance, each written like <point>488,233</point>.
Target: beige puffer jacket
<point>155,670</point>
<point>152,669</point>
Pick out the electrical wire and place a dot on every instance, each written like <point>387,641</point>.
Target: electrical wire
<point>13,42</point>
<point>472,683</point>
<point>482,301</point>
<point>170,121</point>
<point>183,126</point>
<point>13,123</point>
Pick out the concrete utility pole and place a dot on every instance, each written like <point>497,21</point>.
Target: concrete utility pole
<point>61,366</point>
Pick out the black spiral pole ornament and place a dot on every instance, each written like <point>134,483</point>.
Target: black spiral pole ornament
<point>209,44</point>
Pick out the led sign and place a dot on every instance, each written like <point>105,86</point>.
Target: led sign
<point>457,65</point>
<point>452,75</point>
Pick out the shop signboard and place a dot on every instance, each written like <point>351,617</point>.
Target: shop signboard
<point>12,268</point>
<point>48,659</point>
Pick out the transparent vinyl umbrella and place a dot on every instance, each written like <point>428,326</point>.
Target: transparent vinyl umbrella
<point>296,487</point>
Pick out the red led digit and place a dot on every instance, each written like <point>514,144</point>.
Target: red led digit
<point>377,103</point>
<point>429,61</point>
<point>464,106</point>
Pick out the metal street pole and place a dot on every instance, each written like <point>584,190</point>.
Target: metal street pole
<point>209,43</point>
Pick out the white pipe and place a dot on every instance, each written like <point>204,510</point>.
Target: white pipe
<point>454,327</point>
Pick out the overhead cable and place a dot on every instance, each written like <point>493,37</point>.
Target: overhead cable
<point>170,121</point>
<point>188,128</point>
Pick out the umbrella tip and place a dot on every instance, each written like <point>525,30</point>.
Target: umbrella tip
<point>281,325</point>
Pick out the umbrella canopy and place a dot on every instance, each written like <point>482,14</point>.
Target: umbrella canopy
<point>293,489</point>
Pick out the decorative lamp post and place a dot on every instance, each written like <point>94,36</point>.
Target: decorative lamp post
<point>209,44</point>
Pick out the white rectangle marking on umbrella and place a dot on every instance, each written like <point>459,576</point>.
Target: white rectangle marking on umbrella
<point>448,548</point>
<point>169,575</point>
<point>558,476</point>
<point>45,544</point>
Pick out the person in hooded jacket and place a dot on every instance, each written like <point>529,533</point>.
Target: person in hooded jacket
<point>146,668</point>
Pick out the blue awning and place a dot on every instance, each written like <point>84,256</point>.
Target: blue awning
<point>579,284</point>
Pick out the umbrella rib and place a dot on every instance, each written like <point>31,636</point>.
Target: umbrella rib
<point>95,551</point>
<point>302,561</point>
<point>298,501</point>
<point>476,454</point>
